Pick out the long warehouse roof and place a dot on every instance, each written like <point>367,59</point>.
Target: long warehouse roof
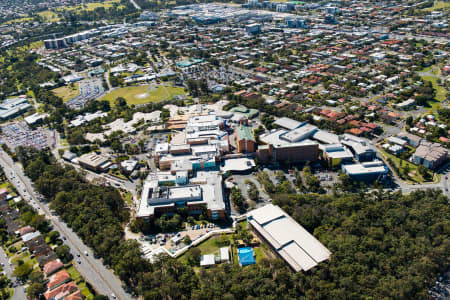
<point>300,249</point>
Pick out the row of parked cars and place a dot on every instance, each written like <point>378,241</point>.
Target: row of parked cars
<point>197,227</point>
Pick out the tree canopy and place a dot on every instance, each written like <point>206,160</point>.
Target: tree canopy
<point>384,245</point>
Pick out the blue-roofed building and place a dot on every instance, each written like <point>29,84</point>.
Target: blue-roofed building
<point>246,256</point>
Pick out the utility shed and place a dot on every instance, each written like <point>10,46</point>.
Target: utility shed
<point>288,239</point>
<point>207,260</point>
<point>224,254</point>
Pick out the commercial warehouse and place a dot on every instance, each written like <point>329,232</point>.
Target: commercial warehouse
<point>366,171</point>
<point>11,108</point>
<point>288,239</point>
<point>94,162</point>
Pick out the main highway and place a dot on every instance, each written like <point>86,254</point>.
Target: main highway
<point>93,271</point>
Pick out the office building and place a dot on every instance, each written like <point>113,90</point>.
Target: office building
<point>149,16</point>
<point>245,141</point>
<point>336,154</point>
<point>204,192</point>
<point>361,148</point>
<point>293,22</point>
<point>289,146</point>
<point>253,28</point>
<point>431,155</point>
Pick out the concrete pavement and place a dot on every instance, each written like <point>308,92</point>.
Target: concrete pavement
<point>135,5</point>
<point>102,279</point>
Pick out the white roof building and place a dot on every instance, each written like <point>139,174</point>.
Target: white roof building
<point>31,119</point>
<point>204,189</point>
<point>301,133</point>
<point>367,168</point>
<point>238,164</point>
<point>326,137</point>
<point>336,151</point>
<point>287,123</point>
<point>10,108</point>
<point>397,141</point>
<point>207,260</point>
<point>29,236</point>
<point>300,249</point>
<point>224,254</point>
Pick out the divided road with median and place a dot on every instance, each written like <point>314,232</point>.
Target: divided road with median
<point>102,279</point>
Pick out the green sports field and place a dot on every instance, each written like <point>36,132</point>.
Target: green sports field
<point>144,94</point>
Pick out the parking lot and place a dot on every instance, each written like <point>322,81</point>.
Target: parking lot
<point>89,89</point>
<point>175,240</point>
<point>154,139</point>
<point>213,76</point>
<point>327,178</point>
<point>19,134</point>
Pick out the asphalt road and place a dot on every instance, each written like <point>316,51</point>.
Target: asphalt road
<point>102,279</point>
<point>19,293</point>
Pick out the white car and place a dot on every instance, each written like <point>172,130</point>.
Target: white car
<point>113,296</point>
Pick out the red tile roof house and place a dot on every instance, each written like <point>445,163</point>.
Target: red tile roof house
<point>62,292</point>
<point>355,131</point>
<point>25,230</point>
<point>58,279</point>
<point>372,126</point>
<point>446,69</point>
<point>3,194</point>
<point>52,267</point>
<point>75,296</point>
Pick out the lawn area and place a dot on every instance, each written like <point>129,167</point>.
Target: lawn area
<point>5,184</point>
<point>438,5</point>
<point>208,247</point>
<point>25,257</point>
<point>440,91</point>
<point>73,273</point>
<point>64,142</point>
<point>243,224</point>
<point>19,20</point>
<point>85,291</point>
<point>258,254</point>
<point>128,198</point>
<point>94,5</point>
<point>413,174</point>
<point>52,16</point>
<point>67,92</point>
<point>49,16</point>
<point>117,174</point>
<point>143,94</point>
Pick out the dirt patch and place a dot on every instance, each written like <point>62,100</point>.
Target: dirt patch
<point>142,96</point>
